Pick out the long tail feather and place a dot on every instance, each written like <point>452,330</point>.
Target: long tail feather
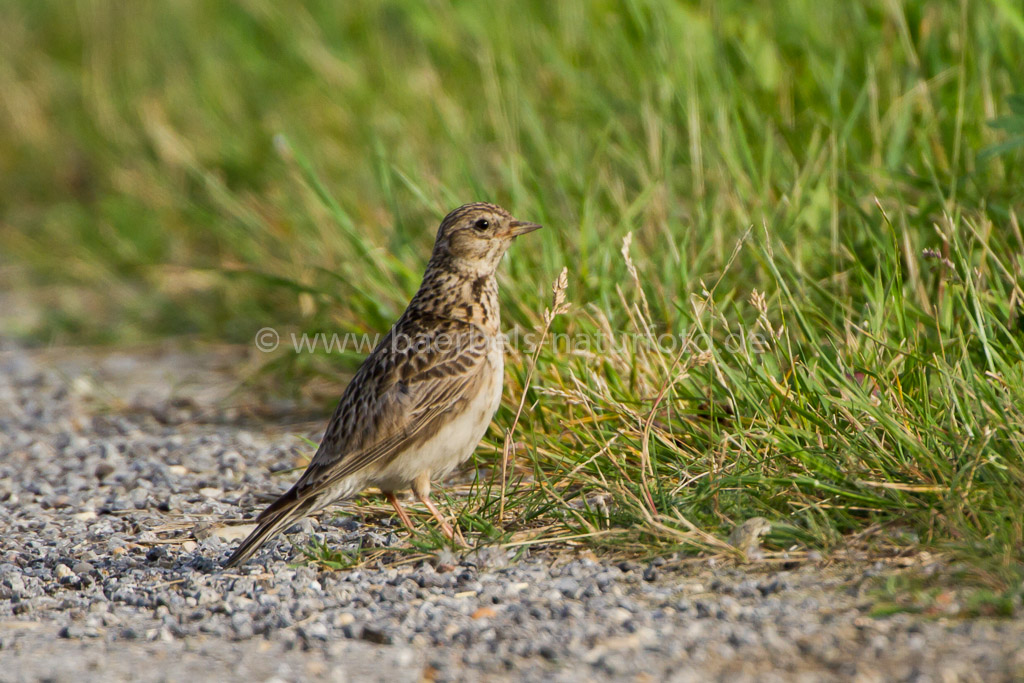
<point>281,514</point>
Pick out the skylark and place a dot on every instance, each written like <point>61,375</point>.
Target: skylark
<point>422,400</point>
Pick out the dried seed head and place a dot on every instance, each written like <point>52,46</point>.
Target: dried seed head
<point>935,255</point>
<point>757,300</point>
<point>627,242</point>
<point>558,304</point>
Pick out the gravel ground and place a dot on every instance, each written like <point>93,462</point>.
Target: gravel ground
<point>114,495</point>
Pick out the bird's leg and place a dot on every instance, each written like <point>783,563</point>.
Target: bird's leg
<point>393,499</point>
<point>421,489</point>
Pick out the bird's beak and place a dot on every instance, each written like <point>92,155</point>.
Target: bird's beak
<point>521,228</point>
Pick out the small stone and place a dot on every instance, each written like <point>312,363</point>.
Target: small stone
<point>569,587</point>
<point>619,615</point>
<point>376,635</point>
<point>315,631</point>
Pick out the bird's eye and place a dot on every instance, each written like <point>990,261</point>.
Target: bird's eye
<point>482,224</point>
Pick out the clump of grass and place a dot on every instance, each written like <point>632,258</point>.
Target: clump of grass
<point>358,555</point>
<point>947,593</point>
<point>829,429</point>
<point>823,222</point>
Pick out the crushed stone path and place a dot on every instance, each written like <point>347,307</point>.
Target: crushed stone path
<point>117,471</point>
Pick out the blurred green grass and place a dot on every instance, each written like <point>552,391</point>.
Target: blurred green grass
<point>804,150</point>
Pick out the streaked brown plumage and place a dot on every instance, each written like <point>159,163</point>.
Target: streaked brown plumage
<point>422,400</point>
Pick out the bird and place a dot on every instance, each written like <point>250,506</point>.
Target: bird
<point>421,401</point>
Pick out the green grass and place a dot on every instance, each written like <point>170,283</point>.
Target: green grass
<point>937,595</point>
<point>815,197</point>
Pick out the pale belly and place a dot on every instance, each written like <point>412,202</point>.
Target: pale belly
<point>454,442</point>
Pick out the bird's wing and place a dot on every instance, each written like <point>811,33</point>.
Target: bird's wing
<point>398,398</point>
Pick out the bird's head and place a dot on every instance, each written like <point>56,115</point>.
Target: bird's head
<point>473,238</point>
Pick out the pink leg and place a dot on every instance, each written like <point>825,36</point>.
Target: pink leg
<point>421,489</point>
<point>393,499</point>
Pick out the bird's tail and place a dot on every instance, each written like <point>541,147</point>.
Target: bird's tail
<point>281,514</point>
